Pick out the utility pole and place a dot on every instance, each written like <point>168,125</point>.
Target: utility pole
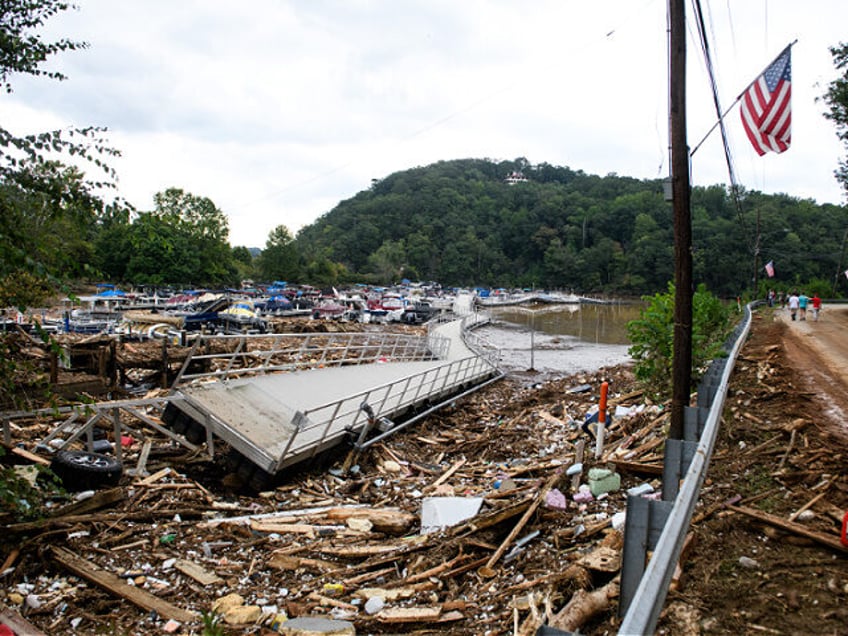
<point>757,238</point>
<point>682,356</point>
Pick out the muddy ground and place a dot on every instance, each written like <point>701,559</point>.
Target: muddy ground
<point>182,537</point>
<point>783,444</point>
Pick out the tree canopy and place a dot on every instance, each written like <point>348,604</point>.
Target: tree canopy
<point>48,208</point>
<point>836,99</point>
<point>462,223</point>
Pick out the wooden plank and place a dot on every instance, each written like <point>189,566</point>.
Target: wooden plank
<point>99,500</point>
<point>197,572</point>
<point>18,624</point>
<point>409,614</point>
<point>152,479</point>
<point>114,584</point>
<point>637,468</point>
<point>25,454</point>
<point>292,563</point>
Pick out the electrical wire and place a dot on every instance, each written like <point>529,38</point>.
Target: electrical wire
<point>728,155</point>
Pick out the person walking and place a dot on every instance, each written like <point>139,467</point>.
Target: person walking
<point>817,304</point>
<point>793,305</point>
<point>803,301</point>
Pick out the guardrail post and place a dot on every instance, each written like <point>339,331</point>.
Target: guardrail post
<point>694,418</point>
<point>706,392</point>
<point>678,456</point>
<point>642,528</point>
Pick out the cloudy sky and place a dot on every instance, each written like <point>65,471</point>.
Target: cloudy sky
<point>277,110</point>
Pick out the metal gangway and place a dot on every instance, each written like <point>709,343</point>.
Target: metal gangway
<point>352,385</point>
<point>279,399</point>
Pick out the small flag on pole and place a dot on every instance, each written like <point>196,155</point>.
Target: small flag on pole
<point>766,107</point>
<point>770,269</point>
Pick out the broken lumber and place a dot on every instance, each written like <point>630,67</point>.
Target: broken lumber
<point>796,528</point>
<point>486,570</point>
<point>18,624</point>
<point>584,606</point>
<point>114,584</point>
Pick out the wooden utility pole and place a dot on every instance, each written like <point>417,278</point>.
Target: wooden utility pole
<point>682,356</point>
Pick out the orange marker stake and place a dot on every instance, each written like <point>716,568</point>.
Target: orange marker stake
<point>602,419</point>
<point>844,537</point>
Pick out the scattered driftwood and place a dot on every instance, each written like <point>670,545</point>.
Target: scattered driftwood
<point>18,624</point>
<point>832,542</point>
<point>584,606</point>
<point>115,585</point>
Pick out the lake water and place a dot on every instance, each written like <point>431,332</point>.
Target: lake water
<point>554,340</point>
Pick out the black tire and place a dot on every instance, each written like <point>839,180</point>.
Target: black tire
<point>196,433</point>
<point>260,480</point>
<point>181,423</point>
<point>233,460</point>
<point>170,414</point>
<point>246,470</point>
<point>82,470</point>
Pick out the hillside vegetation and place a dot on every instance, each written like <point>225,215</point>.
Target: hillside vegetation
<point>461,223</point>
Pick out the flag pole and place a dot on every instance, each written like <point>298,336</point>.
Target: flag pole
<point>737,100</point>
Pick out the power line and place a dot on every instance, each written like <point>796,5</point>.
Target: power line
<point>728,155</point>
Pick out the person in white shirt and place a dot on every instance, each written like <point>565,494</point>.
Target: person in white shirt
<point>793,304</point>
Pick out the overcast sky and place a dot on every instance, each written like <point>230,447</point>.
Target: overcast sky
<point>277,110</point>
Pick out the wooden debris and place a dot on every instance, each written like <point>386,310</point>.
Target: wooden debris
<point>409,614</point>
<point>389,520</point>
<point>115,585</point>
<point>197,572</point>
<point>18,624</point>
<point>812,501</point>
<point>826,540</point>
<point>486,571</point>
<point>584,605</point>
<point>601,559</point>
<point>287,562</point>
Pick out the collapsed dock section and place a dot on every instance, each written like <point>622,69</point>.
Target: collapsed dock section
<point>284,405</point>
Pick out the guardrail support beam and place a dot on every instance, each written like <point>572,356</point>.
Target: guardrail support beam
<point>642,528</point>
<point>678,457</point>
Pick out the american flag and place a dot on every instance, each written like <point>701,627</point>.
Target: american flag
<point>766,107</point>
<point>770,269</point>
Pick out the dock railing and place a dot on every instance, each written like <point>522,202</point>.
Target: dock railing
<point>224,357</point>
<point>350,414</point>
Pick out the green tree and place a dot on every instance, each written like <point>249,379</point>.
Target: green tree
<point>387,263</point>
<point>187,237</point>
<point>652,335</point>
<point>836,99</point>
<point>47,207</point>
<point>45,229</point>
<point>112,242</point>
<point>23,51</point>
<point>280,259</point>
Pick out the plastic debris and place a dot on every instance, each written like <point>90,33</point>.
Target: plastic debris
<point>555,499</point>
<point>603,480</point>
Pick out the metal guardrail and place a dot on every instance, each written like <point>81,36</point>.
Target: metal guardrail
<point>646,604</point>
<point>268,353</point>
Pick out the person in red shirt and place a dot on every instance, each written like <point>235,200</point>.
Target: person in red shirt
<point>816,306</point>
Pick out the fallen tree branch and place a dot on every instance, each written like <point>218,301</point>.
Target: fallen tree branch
<point>826,540</point>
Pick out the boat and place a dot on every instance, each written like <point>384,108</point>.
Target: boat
<point>240,317</point>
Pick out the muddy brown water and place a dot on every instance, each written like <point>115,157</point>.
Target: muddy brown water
<point>540,342</point>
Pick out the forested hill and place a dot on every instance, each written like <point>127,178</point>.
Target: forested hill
<point>475,221</point>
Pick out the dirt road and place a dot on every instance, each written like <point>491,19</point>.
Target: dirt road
<point>781,450</point>
<point>818,350</point>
